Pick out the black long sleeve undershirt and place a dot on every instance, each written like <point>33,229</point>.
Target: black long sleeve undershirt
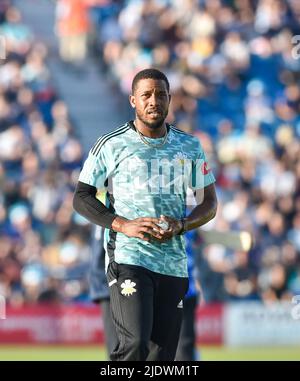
<point>86,204</point>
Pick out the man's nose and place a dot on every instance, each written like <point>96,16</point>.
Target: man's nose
<point>153,100</point>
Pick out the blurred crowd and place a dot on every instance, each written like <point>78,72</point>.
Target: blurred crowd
<point>234,72</point>
<point>44,248</point>
<point>234,76</point>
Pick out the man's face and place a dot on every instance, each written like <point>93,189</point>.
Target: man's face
<point>151,101</point>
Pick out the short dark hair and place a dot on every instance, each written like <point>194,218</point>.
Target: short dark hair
<point>149,73</point>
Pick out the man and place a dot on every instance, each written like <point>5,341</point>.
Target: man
<point>98,286</point>
<point>187,345</point>
<point>72,27</point>
<point>146,166</point>
<point>99,293</point>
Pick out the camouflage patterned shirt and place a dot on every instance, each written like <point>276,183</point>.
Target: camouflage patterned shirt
<point>147,180</point>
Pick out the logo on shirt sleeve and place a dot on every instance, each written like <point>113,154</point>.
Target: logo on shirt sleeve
<point>204,168</point>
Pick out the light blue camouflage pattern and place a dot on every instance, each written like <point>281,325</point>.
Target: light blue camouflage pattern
<point>147,182</point>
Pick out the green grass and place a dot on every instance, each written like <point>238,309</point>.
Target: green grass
<point>57,353</point>
<point>251,353</point>
<point>94,353</point>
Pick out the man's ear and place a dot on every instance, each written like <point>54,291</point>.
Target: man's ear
<point>132,100</point>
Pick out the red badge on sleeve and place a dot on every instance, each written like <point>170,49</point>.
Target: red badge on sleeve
<point>204,168</point>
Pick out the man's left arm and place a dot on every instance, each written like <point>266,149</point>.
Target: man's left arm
<point>202,183</point>
<point>205,210</point>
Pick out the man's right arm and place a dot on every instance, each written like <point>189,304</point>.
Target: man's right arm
<point>93,173</point>
<point>86,204</point>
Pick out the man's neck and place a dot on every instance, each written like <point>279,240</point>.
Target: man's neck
<point>155,133</point>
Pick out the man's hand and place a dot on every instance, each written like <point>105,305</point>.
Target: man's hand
<point>174,227</point>
<point>144,228</point>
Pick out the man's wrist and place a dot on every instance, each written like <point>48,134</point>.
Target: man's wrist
<point>118,223</point>
<point>183,226</point>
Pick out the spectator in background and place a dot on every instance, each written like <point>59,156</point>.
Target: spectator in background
<point>187,345</point>
<point>72,26</point>
<point>98,286</point>
<point>99,292</point>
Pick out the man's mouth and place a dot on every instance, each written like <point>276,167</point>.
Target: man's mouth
<point>154,113</point>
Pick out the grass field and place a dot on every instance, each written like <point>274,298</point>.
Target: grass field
<point>94,353</point>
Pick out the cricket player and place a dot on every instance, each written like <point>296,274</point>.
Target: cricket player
<point>146,166</point>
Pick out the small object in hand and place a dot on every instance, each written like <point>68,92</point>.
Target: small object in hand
<point>163,225</point>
